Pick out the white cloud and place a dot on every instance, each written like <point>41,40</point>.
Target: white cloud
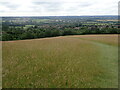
<point>58,7</point>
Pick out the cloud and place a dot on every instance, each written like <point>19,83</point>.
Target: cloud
<point>10,6</point>
<point>58,7</point>
<point>48,6</point>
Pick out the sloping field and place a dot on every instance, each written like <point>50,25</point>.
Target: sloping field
<point>87,61</point>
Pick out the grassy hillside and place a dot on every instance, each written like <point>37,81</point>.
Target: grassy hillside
<point>89,61</point>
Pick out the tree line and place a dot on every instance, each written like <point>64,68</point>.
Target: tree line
<point>19,33</point>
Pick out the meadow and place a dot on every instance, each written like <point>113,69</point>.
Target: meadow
<point>78,61</point>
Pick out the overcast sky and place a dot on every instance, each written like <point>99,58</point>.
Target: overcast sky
<point>58,7</point>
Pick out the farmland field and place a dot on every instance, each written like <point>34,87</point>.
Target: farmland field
<point>79,61</point>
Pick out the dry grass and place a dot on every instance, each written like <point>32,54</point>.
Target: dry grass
<point>60,62</point>
<point>106,39</point>
<point>0,64</point>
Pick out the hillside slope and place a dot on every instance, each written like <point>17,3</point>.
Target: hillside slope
<point>87,61</point>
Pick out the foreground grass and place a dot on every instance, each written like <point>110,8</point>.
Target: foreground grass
<point>61,62</point>
<point>0,64</point>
